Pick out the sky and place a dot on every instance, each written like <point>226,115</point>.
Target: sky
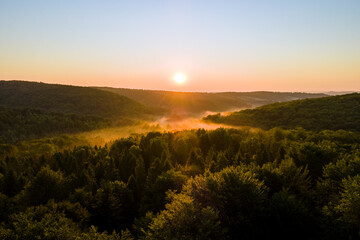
<point>278,45</point>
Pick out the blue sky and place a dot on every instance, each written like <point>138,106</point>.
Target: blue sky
<point>219,45</point>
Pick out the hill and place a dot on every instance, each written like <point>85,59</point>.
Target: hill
<point>333,113</point>
<point>196,103</point>
<point>259,98</point>
<point>23,124</point>
<point>70,100</point>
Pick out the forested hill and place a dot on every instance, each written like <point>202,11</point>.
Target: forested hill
<point>22,124</point>
<point>199,102</point>
<point>333,113</point>
<point>69,99</point>
<point>188,102</point>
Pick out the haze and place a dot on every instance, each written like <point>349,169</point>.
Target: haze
<point>219,45</point>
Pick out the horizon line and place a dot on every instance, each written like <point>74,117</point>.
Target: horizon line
<point>177,91</point>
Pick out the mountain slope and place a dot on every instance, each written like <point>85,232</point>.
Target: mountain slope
<point>334,113</point>
<point>198,103</point>
<point>69,99</point>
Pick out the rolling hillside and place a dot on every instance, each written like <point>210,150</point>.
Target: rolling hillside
<point>189,102</point>
<point>333,113</point>
<point>23,124</point>
<point>70,100</point>
<point>197,103</point>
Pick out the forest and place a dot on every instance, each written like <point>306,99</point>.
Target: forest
<point>193,184</point>
<point>287,170</point>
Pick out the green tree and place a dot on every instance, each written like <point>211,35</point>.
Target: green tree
<point>40,223</point>
<point>155,196</point>
<point>349,205</point>
<point>46,185</point>
<point>236,194</point>
<point>184,218</point>
<point>112,206</point>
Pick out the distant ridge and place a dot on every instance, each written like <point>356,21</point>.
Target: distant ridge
<point>333,113</point>
<point>200,102</point>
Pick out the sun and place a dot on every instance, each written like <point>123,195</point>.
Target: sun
<point>179,78</point>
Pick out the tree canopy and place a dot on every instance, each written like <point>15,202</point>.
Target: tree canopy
<point>192,184</point>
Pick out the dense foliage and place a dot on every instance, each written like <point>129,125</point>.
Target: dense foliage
<point>195,184</point>
<point>70,99</point>
<point>23,124</point>
<point>333,113</point>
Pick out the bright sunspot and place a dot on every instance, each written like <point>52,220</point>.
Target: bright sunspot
<point>179,78</point>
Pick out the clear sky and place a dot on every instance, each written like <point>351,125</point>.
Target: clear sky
<point>223,45</point>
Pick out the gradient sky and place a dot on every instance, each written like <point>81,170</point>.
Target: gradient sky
<point>277,45</point>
